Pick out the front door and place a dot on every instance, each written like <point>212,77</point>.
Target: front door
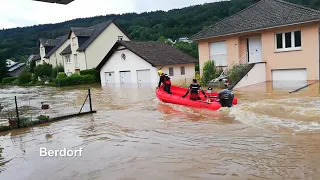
<point>254,49</point>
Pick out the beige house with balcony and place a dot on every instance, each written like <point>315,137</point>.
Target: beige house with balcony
<point>88,46</point>
<point>279,39</point>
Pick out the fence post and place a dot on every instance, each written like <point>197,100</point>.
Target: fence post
<point>90,100</point>
<point>18,120</point>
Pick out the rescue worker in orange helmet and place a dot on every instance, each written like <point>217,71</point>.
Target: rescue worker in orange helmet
<point>165,80</point>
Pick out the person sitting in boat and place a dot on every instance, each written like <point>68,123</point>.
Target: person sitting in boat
<point>165,80</point>
<point>193,89</point>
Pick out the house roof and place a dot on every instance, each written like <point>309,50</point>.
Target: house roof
<point>59,41</point>
<point>264,14</point>
<point>91,33</point>
<point>155,53</point>
<point>66,50</point>
<point>48,42</point>
<point>34,57</point>
<point>12,65</point>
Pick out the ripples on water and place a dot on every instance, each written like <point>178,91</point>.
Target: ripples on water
<point>134,136</point>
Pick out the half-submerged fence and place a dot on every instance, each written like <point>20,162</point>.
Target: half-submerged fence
<point>30,109</point>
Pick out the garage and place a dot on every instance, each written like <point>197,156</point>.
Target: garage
<point>125,77</point>
<point>109,77</point>
<point>218,52</point>
<point>144,77</point>
<point>289,78</point>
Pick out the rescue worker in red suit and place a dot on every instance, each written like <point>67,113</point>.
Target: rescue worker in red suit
<point>193,89</point>
<point>165,80</point>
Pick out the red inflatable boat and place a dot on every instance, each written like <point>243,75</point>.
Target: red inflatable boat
<point>177,92</point>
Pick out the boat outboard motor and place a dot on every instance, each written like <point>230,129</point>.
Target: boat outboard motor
<point>226,97</point>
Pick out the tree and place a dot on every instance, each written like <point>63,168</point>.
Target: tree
<point>210,72</point>
<point>43,70</point>
<point>32,66</point>
<point>188,48</point>
<point>3,67</point>
<point>24,77</point>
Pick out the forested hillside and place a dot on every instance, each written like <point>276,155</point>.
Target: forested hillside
<point>19,43</point>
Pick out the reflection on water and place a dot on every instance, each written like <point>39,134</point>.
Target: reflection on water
<point>270,134</point>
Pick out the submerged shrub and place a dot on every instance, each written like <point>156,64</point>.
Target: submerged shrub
<point>8,80</point>
<point>24,77</point>
<point>237,72</point>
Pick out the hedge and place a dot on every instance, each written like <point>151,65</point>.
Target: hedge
<point>93,72</point>
<point>8,80</point>
<point>76,79</point>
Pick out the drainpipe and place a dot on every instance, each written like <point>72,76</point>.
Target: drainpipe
<point>85,58</point>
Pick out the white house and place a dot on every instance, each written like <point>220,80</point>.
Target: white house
<point>133,62</point>
<point>50,50</point>
<point>88,46</point>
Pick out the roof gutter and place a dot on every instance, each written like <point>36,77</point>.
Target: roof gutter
<point>260,29</point>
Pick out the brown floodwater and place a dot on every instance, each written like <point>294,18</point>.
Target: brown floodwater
<point>270,134</point>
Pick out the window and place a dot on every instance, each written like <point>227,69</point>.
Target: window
<point>171,71</point>
<point>123,56</point>
<point>182,70</point>
<point>68,59</point>
<point>120,38</point>
<point>77,65</point>
<point>74,42</point>
<point>288,41</point>
<point>42,50</point>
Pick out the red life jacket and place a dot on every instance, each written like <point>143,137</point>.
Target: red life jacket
<point>166,79</point>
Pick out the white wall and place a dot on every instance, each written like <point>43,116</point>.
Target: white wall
<point>42,54</point>
<point>177,78</point>
<point>132,63</point>
<point>256,75</point>
<point>56,57</point>
<point>102,45</point>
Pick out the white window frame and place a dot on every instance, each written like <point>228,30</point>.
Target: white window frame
<point>292,48</point>
<point>68,59</point>
<point>76,63</point>
<point>184,70</point>
<point>172,71</point>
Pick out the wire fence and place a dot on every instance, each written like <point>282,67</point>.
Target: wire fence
<point>27,108</point>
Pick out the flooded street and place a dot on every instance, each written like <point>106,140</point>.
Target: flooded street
<point>270,134</point>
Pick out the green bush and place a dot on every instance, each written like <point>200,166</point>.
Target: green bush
<point>43,70</point>
<point>237,72</point>
<point>8,80</point>
<point>57,70</point>
<point>210,71</point>
<point>24,77</point>
<point>92,72</point>
<point>61,75</point>
<point>76,79</point>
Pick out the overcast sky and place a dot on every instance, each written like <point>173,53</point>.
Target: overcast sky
<point>19,13</point>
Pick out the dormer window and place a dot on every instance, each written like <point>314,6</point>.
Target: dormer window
<point>120,38</point>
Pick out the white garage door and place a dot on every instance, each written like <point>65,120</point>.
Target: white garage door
<point>218,53</point>
<point>144,76</point>
<point>109,77</point>
<point>289,78</point>
<point>125,77</point>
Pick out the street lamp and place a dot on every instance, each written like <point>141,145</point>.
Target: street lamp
<point>56,1</point>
